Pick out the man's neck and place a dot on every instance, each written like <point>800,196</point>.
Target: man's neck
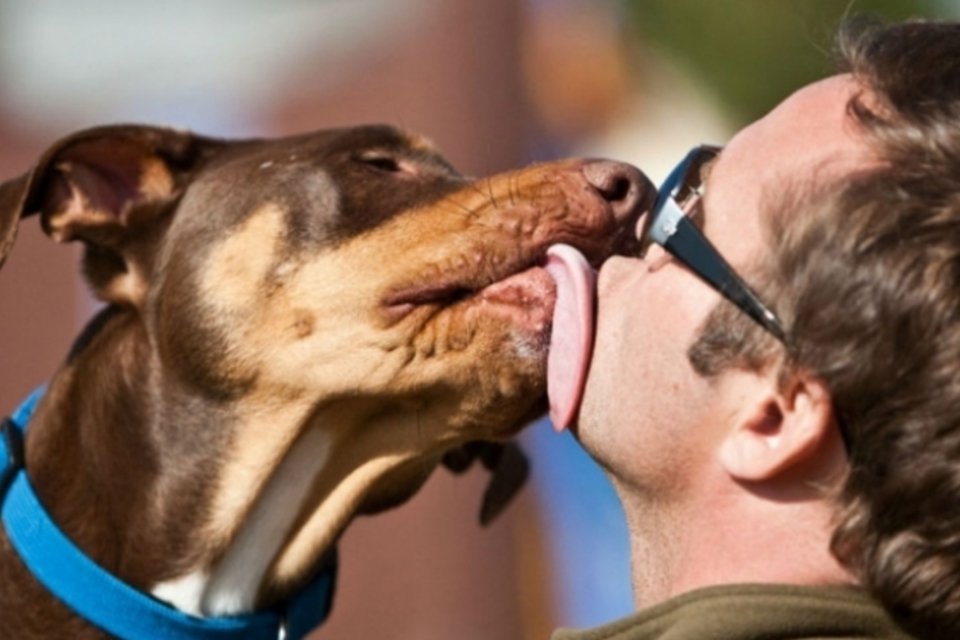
<point>677,550</point>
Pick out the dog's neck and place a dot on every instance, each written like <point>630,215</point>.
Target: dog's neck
<point>214,509</point>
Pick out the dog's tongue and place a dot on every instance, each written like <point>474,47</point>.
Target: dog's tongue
<point>572,337</point>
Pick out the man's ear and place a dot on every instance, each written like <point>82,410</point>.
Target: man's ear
<point>103,186</point>
<point>778,427</point>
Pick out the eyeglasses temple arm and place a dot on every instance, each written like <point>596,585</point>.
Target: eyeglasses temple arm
<point>684,241</point>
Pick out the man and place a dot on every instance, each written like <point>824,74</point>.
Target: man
<point>788,457</point>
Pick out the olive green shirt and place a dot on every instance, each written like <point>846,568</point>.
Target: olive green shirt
<point>752,612</point>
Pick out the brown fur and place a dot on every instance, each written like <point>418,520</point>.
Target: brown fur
<point>261,290</point>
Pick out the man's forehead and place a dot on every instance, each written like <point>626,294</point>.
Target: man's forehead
<point>810,136</point>
<point>812,127</point>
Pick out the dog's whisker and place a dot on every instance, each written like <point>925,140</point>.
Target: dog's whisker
<point>476,187</point>
<point>462,207</point>
<point>493,198</point>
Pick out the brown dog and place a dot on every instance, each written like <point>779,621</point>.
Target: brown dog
<point>296,331</point>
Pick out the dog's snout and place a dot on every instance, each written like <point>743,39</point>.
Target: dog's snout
<point>624,186</point>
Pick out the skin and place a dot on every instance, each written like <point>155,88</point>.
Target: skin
<point>717,476</point>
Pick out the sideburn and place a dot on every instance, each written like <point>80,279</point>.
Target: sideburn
<point>730,339</point>
<point>727,339</point>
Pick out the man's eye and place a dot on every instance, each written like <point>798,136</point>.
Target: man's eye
<point>692,207</point>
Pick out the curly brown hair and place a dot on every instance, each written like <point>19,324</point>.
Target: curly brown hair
<point>865,274</point>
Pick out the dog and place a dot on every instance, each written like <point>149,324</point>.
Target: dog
<point>295,331</point>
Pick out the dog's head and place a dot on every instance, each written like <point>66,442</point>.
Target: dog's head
<point>348,277</point>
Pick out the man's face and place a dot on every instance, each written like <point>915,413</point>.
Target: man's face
<point>646,415</point>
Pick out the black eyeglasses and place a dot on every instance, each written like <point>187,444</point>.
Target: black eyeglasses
<point>670,227</point>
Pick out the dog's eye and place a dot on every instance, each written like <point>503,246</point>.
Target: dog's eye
<point>381,162</point>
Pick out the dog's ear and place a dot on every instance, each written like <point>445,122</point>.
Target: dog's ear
<point>505,461</point>
<point>12,194</point>
<point>104,186</point>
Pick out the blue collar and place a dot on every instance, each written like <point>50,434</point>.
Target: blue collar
<point>105,601</point>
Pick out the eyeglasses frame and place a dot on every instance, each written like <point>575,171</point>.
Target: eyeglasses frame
<point>671,228</point>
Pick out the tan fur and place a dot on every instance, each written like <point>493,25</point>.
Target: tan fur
<point>155,179</point>
<point>238,265</point>
<point>77,204</point>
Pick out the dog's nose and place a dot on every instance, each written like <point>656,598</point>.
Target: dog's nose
<point>625,187</point>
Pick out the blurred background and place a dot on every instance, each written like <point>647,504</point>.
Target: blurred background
<point>496,85</point>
